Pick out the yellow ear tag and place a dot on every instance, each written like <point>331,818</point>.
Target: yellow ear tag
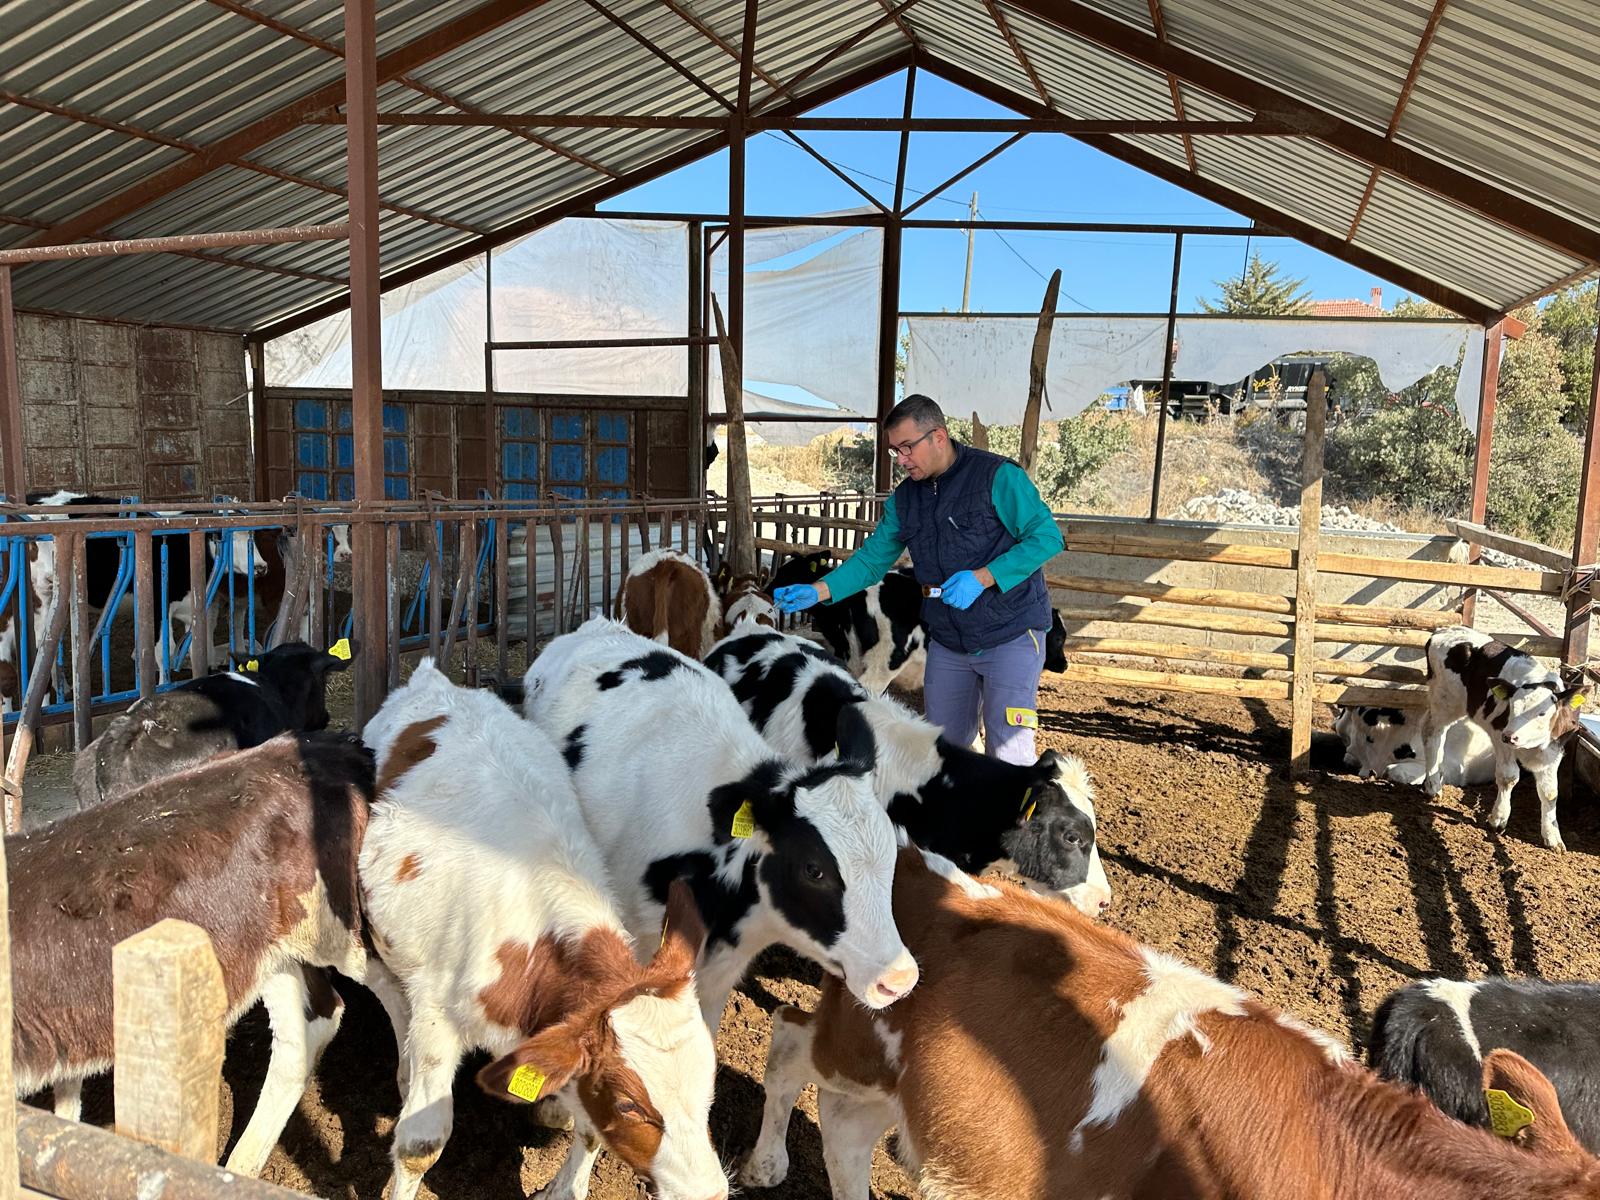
<point>744,821</point>
<point>1577,701</point>
<point>1028,805</point>
<point>253,665</point>
<point>526,1083</point>
<point>1506,1117</point>
<point>815,567</point>
<point>1500,692</point>
<point>341,649</point>
<point>1026,717</point>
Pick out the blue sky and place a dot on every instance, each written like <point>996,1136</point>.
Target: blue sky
<point>1043,177</point>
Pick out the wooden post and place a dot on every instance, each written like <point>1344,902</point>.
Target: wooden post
<point>1303,692</point>
<point>1488,388</point>
<point>68,547</point>
<point>740,550</point>
<point>199,607</point>
<point>8,1109</point>
<point>1586,539</point>
<point>77,582</point>
<point>11,456</point>
<point>1036,369</point>
<point>1167,355</point>
<point>169,1009</point>
<point>980,435</point>
<point>145,585</point>
<point>258,417</point>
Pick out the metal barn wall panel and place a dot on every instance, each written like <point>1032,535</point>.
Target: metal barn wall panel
<point>1085,80</point>
<point>1297,176</point>
<point>1527,114</point>
<point>962,32</point>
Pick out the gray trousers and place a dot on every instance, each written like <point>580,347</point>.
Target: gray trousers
<point>1001,684</point>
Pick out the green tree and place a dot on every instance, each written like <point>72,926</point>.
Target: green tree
<point>1569,318</point>
<point>1259,292</point>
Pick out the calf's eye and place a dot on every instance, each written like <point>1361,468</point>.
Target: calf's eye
<point>627,1108</point>
<point>813,872</point>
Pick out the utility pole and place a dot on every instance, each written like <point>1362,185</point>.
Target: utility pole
<point>966,284</point>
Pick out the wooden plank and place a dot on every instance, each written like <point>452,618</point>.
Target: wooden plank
<point>740,548</point>
<point>1392,697</point>
<point>144,611</point>
<point>1037,363</point>
<point>200,611</point>
<point>1256,689</point>
<point>1302,695</point>
<point>391,540</point>
<point>8,1110</point>
<point>1416,570</point>
<point>1258,659</point>
<point>1175,617</point>
<point>469,673</point>
<point>75,1161</point>
<point>1140,546</point>
<point>1534,552</point>
<point>1377,614</point>
<point>169,1008</point>
<point>502,588</point>
<point>77,580</point>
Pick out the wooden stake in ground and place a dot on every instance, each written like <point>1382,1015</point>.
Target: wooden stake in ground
<point>1036,368</point>
<point>1303,690</point>
<point>169,1008</point>
<point>980,435</point>
<point>740,552</point>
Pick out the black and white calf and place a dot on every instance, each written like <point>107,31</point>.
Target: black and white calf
<point>674,782</point>
<point>1434,1034</point>
<point>1037,821</point>
<point>1526,709</point>
<point>878,633</point>
<point>286,691</point>
<point>1388,743</point>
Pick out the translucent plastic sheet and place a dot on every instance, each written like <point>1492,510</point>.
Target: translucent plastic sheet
<point>981,363</point>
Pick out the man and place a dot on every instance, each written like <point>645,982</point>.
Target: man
<point>979,533</point>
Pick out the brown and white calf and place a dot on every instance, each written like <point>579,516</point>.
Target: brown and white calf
<point>490,904</point>
<point>259,850</point>
<point>1045,1056</point>
<point>668,598</point>
<point>746,601</point>
<point>1525,708</point>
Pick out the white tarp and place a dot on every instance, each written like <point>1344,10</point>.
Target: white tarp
<point>790,433</point>
<point>574,279</point>
<point>813,325</point>
<point>976,363</point>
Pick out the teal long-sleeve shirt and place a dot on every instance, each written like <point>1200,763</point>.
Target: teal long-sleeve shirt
<point>1017,504</point>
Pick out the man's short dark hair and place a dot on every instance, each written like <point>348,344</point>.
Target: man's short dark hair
<point>918,408</point>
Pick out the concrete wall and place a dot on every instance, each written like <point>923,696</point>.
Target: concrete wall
<point>1332,589</point>
<point>162,414</point>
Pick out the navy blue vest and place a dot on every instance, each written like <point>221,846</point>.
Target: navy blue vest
<point>949,524</point>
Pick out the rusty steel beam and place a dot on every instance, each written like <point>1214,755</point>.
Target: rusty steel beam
<point>584,202</point>
<point>843,47</point>
<point>904,25</point>
<point>1430,174</point>
<point>183,241</point>
<point>541,120</point>
<point>15,482</point>
<point>447,37</point>
<point>905,142</point>
<point>856,187</point>
<point>658,52</point>
<point>1158,22</point>
<point>965,171</point>
<point>1473,309</point>
<point>1586,538</point>
<point>1423,43</point>
<point>1488,394</point>
<point>721,43</point>
<point>246,164</point>
<point>368,567</point>
<point>1017,52</point>
<point>1256,127</point>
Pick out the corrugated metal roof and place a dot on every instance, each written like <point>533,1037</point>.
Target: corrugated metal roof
<point>1506,94</point>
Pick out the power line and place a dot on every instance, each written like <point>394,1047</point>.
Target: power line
<point>1005,242</point>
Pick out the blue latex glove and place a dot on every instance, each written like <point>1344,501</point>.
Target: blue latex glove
<point>796,597</point>
<point>960,590</point>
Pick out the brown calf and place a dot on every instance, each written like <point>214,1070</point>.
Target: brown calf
<point>1044,1056</point>
<point>746,599</point>
<point>666,596</point>
<point>258,849</point>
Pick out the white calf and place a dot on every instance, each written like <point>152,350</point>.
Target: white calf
<point>489,900</point>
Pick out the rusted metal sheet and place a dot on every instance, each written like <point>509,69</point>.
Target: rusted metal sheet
<point>182,241</point>
<point>15,481</point>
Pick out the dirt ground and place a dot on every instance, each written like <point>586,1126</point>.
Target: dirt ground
<point>1320,900</point>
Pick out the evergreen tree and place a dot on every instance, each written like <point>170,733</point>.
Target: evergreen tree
<point>1259,292</point>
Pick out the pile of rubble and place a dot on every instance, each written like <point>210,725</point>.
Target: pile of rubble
<point>1236,506</point>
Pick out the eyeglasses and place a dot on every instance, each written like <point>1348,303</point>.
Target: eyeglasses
<point>905,451</point>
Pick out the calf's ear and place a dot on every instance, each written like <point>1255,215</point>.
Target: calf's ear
<point>539,1066</point>
<point>853,736</point>
<point>683,934</point>
<point>1515,1089</point>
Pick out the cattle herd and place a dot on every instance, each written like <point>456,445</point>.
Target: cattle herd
<point>575,873</point>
